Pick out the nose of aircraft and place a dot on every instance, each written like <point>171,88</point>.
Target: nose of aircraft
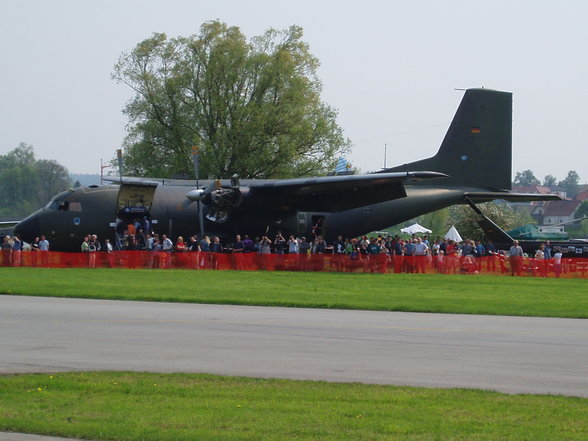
<point>28,228</point>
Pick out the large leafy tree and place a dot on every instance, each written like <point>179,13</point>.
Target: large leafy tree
<point>570,184</point>
<point>18,180</point>
<point>549,181</point>
<point>252,107</point>
<point>54,178</point>
<point>506,216</point>
<point>526,178</point>
<point>26,184</point>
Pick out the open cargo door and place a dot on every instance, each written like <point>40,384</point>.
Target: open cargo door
<point>135,200</point>
<point>133,211</point>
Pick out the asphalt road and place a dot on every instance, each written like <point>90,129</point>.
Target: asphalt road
<point>508,354</point>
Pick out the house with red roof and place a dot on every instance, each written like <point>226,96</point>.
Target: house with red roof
<point>557,212</point>
<point>582,195</point>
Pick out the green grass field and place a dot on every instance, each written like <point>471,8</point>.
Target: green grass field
<point>497,295</point>
<point>154,407</point>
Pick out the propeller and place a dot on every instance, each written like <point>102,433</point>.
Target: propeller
<point>198,193</point>
<point>220,201</point>
<point>215,197</point>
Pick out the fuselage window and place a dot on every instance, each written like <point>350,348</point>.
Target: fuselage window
<point>75,206</point>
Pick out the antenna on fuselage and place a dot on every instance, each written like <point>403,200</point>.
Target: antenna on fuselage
<point>102,167</point>
<point>120,163</point>
<point>117,238</point>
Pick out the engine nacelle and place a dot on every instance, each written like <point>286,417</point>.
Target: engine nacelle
<point>221,202</point>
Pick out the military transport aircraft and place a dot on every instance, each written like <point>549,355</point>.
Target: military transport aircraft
<point>473,163</point>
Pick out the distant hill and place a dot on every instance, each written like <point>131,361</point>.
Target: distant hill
<point>85,179</point>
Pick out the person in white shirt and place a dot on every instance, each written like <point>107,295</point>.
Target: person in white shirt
<point>166,246</point>
<point>292,245</point>
<point>420,251</point>
<point>44,246</point>
<point>557,262</point>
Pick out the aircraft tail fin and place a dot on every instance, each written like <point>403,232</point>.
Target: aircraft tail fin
<point>477,149</point>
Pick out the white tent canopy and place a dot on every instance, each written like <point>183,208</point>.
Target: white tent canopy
<point>453,234</point>
<point>415,228</point>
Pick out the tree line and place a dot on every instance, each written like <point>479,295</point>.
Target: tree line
<point>27,183</point>
<point>570,184</point>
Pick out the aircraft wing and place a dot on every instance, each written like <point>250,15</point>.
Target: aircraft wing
<point>8,224</point>
<point>479,196</point>
<point>148,182</point>
<point>335,193</point>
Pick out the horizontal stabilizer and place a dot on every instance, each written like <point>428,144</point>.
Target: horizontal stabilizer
<point>481,196</point>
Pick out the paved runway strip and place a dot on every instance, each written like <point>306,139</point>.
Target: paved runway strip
<point>508,354</point>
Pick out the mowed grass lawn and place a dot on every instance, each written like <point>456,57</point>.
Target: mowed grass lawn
<point>459,294</point>
<point>176,407</point>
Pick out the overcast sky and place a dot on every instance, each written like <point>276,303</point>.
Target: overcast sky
<point>390,68</point>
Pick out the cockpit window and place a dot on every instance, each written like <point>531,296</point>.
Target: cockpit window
<point>52,205</point>
<point>58,205</point>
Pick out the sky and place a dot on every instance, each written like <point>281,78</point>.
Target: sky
<point>390,68</point>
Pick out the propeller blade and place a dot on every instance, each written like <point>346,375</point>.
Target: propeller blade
<point>235,184</point>
<point>201,220</point>
<point>198,193</point>
<point>186,203</point>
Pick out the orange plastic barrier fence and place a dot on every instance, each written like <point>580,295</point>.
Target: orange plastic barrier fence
<point>569,267</point>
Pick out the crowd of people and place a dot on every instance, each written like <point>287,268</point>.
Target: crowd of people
<point>411,255</point>
<point>12,248</point>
